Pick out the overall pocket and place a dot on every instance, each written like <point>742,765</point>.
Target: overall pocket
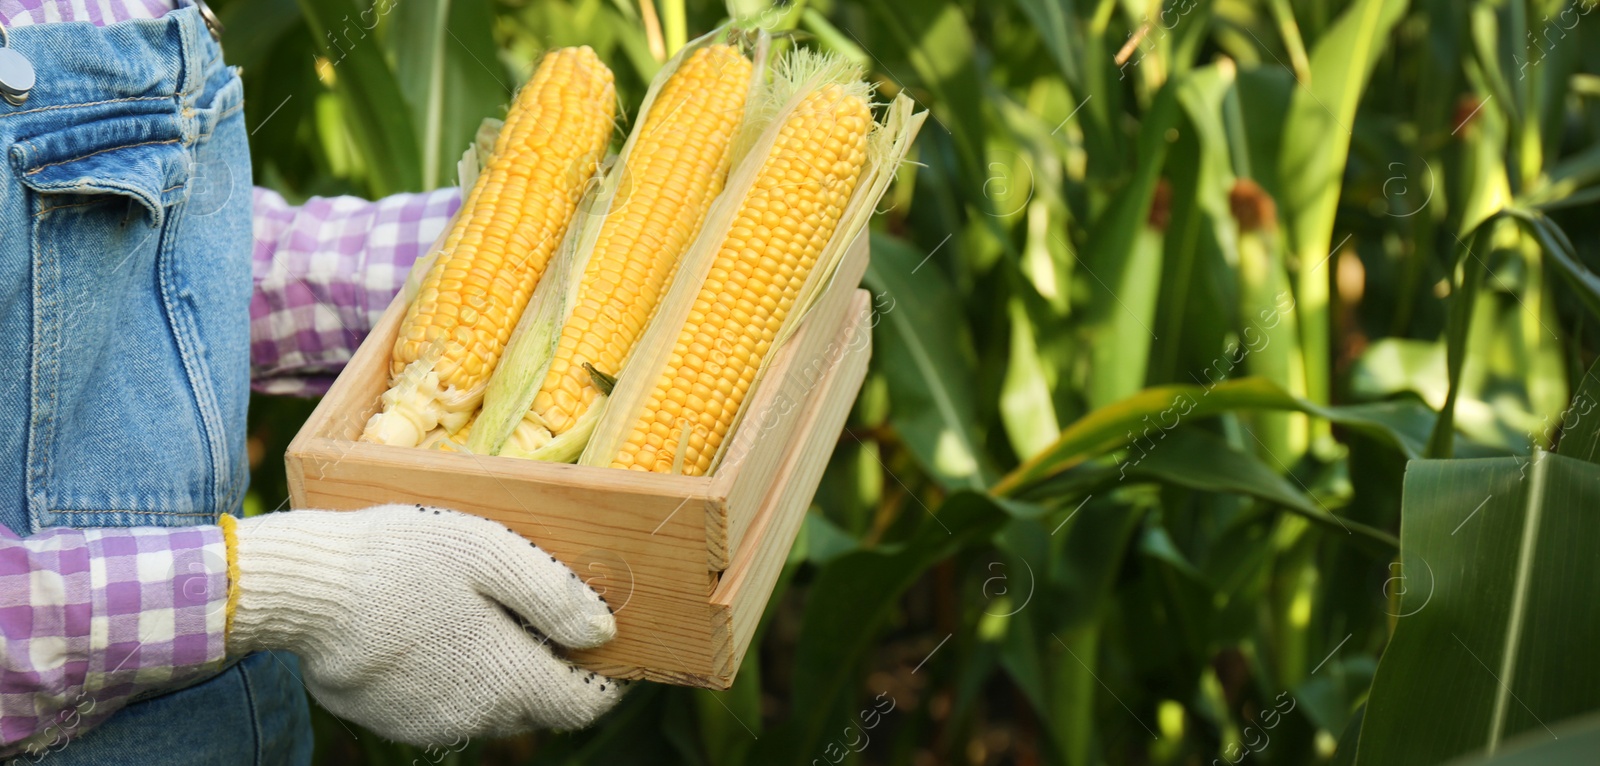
<point>118,432</point>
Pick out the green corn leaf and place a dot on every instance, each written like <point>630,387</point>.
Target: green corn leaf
<point>1573,742</point>
<point>1159,409</point>
<point>1122,265</point>
<point>1025,406</point>
<point>450,74</point>
<point>1198,460</point>
<point>1555,243</point>
<point>842,619</point>
<point>255,29</point>
<point>1580,424</point>
<point>1345,753</point>
<point>1496,625</point>
<point>1566,177</point>
<point>1057,26</point>
<point>935,50</point>
<point>923,352</point>
<point>1563,255</point>
<point>1462,299</point>
<point>1316,142</point>
<point>1254,114</point>
<point>1193,459</point>
<point>1197,284</point>
<point>368,93</point>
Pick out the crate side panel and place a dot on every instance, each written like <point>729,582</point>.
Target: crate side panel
<point>646,549</point>
<point>742,593</point>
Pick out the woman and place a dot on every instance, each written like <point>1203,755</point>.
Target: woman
<point>138,616</point>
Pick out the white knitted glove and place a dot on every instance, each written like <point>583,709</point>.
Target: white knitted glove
<point>410,621</point>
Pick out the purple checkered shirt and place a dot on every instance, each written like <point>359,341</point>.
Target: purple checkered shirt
<point>91,618</point>
<point>324,273</point>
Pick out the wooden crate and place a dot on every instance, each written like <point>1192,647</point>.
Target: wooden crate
<point>687,562</point>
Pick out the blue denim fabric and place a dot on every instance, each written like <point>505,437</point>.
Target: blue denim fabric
<point>125,281</point>
<point>252,713</point>
<point>124,336</point>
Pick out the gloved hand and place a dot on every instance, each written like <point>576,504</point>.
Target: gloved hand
<point>410,621</point>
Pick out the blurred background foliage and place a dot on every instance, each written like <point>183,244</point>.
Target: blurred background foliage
<point>1170,296</point>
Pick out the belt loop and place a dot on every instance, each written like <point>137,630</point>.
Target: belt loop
<point>191,77</point>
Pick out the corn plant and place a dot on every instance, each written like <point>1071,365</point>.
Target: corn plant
<point>1220,350</point>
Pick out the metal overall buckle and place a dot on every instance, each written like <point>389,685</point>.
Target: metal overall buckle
<point>17,77</point>
<point>213,24</point>
<point>16,72</point>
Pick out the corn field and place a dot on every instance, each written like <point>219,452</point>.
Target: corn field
<point>1229,395</point>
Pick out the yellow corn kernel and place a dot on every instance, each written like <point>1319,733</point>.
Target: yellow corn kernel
<point>675,169</point>
<point>555,134</point>
<point>763,261</point>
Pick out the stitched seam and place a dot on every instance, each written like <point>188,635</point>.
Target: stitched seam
<point>223,115</point>
<point>62,207</point>
<point>43,448</point>
<point>86,103</point>
<point>184,332</point>
<point>71,512</point>
<point>250,700</point>
<point>188,42</point>
<point>100,151</point>
<point>96,201</point>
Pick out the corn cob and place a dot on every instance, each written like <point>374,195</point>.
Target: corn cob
<point>782,224</point>
<point>676,169</point>
<point>555,134</point>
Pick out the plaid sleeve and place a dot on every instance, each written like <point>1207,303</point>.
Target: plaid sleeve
<point>91,617</point>
<point>324,272</point>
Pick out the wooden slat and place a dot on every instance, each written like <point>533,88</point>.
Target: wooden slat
<point>652,544</point>
<point>742,593</point>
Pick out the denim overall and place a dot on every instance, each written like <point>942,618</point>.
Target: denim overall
<point>124,337</point>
